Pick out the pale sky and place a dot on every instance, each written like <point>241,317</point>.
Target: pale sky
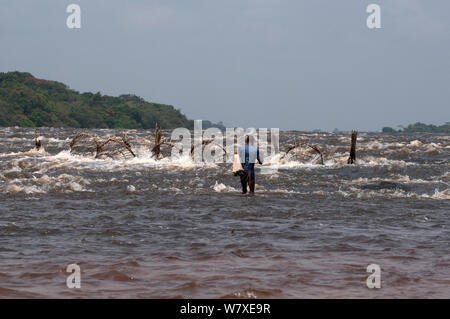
<point>298,64</point>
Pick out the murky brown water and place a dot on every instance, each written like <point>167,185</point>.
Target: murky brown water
<point>142,228</point>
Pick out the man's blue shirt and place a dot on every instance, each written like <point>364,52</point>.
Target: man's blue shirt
<point>248,155</point>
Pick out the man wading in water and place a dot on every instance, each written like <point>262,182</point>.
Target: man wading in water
<point>247,155</point>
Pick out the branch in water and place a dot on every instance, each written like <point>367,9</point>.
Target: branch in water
<point>300,144</point>
<point>111,147</point>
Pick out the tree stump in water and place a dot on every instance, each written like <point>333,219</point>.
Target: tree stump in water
<point>352,157</point>
<point>37,143</point>
<point>156,150</point>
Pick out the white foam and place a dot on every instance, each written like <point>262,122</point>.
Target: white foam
<point>416,143</point>
<point>432,147</point>
<point>63,183</point>
<point>375,145</point>
<point>31,152</point>
<point>220,188</point>
<point>393,179</point>
<point>386,193</point>
<point>13,188</point>
<point>445,194</point>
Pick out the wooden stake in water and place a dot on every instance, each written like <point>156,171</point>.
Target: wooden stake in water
<point>37,142</point>
<point>157,148</point>
<point>352,157</point>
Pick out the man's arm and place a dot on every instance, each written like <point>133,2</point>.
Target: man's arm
<point>241,153</point>
<point>257,156</point>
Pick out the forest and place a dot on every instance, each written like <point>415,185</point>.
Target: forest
<point>419,128</point>
<point>27,101</point>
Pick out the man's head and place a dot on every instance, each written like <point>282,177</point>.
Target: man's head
<point>249,139</point>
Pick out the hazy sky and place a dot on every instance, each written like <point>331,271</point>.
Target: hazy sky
<point>300,64</point>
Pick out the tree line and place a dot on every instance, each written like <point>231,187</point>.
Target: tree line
<point>419,128</point>
<point>27,101</point>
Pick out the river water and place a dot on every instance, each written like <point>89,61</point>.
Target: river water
<point>175,229</point>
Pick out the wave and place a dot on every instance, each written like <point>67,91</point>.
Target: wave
<point>221,188</point>
<point>395,179</point>
<point>144,158</point>
<point>387,193</point>
<point>31,152</point>
<point>63,183</point>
